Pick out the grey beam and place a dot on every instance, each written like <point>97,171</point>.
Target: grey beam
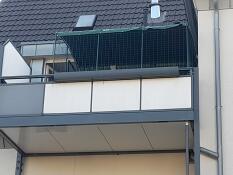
<point>116,74</point>
<point>97,118</point>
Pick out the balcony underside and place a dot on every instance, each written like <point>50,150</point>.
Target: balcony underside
<point>161,136</point>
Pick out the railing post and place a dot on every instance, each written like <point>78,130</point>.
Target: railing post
<point>19,164</point>
<point>187,148</point>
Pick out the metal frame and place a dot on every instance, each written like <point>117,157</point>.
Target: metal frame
<point>22,154</point>
<point>105,153</point>
<point>209,153</point>
<point>19,164</point>
<point>1,59</point>
<point>13,145</point>
<point>187,148</point>
<point>125,117</point>
<point>196,124</point>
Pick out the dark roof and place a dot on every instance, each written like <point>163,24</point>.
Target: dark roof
<point>39,20</point>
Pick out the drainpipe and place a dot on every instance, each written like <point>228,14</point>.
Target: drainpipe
<point>218,88</point>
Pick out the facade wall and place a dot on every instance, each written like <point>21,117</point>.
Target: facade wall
<point>207,95</point>
<point>207,90</point>
<point>208,4</point>
<point>226,28</point>
<point>148,164</point>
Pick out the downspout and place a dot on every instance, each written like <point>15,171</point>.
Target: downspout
<point>218,88</point>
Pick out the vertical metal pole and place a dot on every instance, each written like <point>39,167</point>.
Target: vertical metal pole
<point>218,87</point>
<point>67,63</point>
<point>142,47</point>
<point>144,24</point>
<point>187,148</point>
<point>19,164</point>
<point>187,45</point>
<point>97,52</point>
<point>54,52</point>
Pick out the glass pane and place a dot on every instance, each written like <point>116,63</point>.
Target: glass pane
<point>44,49</point>
<point>29,50</point>
<point>37,69</point>
<point>155,11</point>
<point>61,49</point>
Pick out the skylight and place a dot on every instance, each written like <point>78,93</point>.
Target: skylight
<point>85,22</point>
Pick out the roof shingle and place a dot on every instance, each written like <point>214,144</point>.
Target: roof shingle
<point>39,20</point>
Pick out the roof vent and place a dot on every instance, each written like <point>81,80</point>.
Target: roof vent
<point>155,9</point>
<point>85,22</point>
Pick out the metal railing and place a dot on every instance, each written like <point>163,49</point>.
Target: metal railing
<point>30,78</point>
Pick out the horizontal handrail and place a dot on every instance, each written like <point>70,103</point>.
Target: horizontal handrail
<point>25,77</point>
<point>105,75</point>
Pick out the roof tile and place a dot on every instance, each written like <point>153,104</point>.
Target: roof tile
<point>34,20</point>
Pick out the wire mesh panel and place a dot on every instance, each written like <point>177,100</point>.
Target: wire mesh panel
<point>84,50</point>
<point>132,48</point>
<point>120,50</point>
<point>164,48</point>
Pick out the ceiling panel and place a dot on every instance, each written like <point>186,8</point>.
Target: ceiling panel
<point>126,137</point>
<point>102,138</point>
<point>167,136</point>
<point>34,140</point>
<point>80,138</point>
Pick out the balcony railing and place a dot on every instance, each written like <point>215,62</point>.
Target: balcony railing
<point>146,47</point>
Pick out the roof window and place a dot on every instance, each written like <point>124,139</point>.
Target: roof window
<point>85,22</point>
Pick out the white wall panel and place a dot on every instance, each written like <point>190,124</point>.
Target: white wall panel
<point>116,95</point>
<point>8,161</point>
<point>14,64</point>
<point>67,97</point>
<point>206,81</point>
<point>166,93</point>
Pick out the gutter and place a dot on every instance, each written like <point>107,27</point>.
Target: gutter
<point>218,88</point>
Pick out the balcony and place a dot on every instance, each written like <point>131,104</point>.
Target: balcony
<point>133,94</point>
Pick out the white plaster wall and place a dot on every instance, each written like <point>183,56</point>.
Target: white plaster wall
<point>116,95</point>
<point>208,166</point>
<point>226,39</point>
<point>207,100</point>
<point>207,81</point>
<point>67,97</point>
<point>14,64</point>
<point>166,93</point>
<point>7,161</point>
<point>207,90</point>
